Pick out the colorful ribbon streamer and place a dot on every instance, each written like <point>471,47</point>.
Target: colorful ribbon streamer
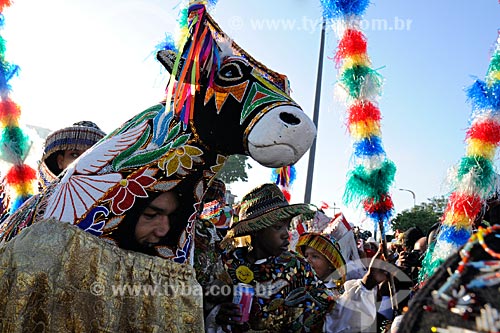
<point>284,178</point>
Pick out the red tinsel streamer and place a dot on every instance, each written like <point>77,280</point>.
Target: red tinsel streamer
<point>19,174</point>
<point>385,204</point>
<point>9,112</point>
<point>487,131</point>
<point>3,4</point>
<point>363,110</point>
<point>287,194</point>
<point>353,43</point>
<point>468,205</point>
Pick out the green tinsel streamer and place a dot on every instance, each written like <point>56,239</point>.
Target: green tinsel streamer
<point>183,17</point>
<point>15,144</point>
<point>369,184</point>
<point>494,63</point>
<point>480,166</point>
<point>355,80</point>
<point>429,266</point>
<point>2,46</point>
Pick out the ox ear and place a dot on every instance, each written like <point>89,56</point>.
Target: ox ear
<point>167,59</point>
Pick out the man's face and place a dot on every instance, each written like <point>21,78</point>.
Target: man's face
<point>273,240</point>
<point>68,156</point>
<point>154,222</point>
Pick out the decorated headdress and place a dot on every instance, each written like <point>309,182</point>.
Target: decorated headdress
<point>202,57</point>
<point>263,207</point>
<point>328,247</point>
<point>80,136</point>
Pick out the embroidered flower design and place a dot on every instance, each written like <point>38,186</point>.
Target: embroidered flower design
<point>123,196</point>
<point>181,158</point>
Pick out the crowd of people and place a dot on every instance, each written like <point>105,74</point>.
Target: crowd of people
<point>324,276</point>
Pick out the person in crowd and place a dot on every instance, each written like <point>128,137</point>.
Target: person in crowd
<point>359,296</point>
<point>64,146</point>
<point>342,231</point>
<point>370,247</point>
<point>293,301</point>
<point>420,245</point>
<point>410,259</point>
<point>211,221</point>
<point>323,254</point>
<point>288,294</point>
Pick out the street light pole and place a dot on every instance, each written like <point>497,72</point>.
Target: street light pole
<point>412,193</point>
<point>312,150</point>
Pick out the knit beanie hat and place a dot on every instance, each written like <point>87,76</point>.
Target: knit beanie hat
<point>80,136</point>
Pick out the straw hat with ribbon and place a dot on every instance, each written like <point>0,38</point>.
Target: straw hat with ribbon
<point>263,207</point>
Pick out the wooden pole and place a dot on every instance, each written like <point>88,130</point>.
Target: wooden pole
<point>392,286</point>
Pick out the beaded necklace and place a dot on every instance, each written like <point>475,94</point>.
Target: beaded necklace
<point>480,237</point>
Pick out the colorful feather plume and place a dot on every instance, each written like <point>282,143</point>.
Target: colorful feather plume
<point>475,179</point>
<point>20,181</point>
<point>369,181</point>
<point>284,178</point>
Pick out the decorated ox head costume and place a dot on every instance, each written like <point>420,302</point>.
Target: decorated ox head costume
<point>218,103</point>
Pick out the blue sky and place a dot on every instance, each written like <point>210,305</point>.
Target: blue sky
<point>92,60</point>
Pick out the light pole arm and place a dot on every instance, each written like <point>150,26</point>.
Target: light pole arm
<point>413,195</point>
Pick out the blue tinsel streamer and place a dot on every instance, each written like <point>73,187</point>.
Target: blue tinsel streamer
<point>450,234</point>
<point>18,202</point>
<point>482,96</point>
<point>382,216</point>
<point>293,174</point>
<point>167,44</point>
<point>212,3</point>
<point>368,147</point>
<point>275,176</point>
<point>7,71</point>
<point>2,20</point>
<point>333,9</point>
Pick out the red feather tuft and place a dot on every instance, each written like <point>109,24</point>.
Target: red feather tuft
<point>9,112</point>
<point>20,174</point>
<point>385,204</point>
<point>286,194</point>
<point>465,204</point>
<point>487,130</point>
<point>352,43</point>
<point>3,4</point>
<point>362,111</point>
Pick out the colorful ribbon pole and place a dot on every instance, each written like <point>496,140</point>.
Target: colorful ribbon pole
<point>20,179</point>
<point>373,173</point>
<point>474,179</point>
